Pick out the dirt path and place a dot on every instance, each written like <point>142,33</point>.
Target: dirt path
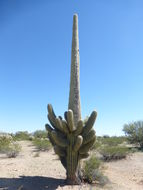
<point>126,174</point>
<point>31,172</point>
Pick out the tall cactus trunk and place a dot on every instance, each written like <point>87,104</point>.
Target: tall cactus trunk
<point>74,99</point>
<point>74,96</point>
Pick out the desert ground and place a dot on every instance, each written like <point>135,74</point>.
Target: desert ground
<point>30,171</point>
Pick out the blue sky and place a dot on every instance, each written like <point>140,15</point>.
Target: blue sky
<point>35,54</point>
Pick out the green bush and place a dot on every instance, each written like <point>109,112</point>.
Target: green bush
<point>4,143</point>
<point>13,150</point>
<point>134,132</point>
<point>108,141</point>
<point>42,144</point>
<point>91,171</point>
<point>8,147</point>
<point>113,141</point>
<point>21,135</point>
<point>114,152</point>
<point>40,134</point>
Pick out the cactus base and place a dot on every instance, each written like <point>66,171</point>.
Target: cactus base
<point>73,180</point>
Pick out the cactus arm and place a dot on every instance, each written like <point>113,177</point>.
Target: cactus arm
<point>79,128</point>
<point>89,136</point>
<point>48,128</point>
<point>59,140</point>
<point>89,123</point>
<point>83,156</point>
<point>78,143</point>
<point>65,126</point>
<point>85,148</point>
<point>65,115</point>
<point>52,115</point>
<point>70,120</point>
<point>59,125</point>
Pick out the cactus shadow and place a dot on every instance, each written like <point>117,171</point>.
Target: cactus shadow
<point>31,183</point>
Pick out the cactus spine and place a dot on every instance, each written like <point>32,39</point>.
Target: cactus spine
<point>72,137</point>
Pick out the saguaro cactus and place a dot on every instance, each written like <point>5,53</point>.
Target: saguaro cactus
<point>72,137</point>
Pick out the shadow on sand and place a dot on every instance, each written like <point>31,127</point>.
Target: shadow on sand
<point>30,183</point>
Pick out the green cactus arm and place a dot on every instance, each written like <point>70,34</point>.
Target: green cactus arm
<point>85,148</point>
<point>65,115</point>
<point>65,126</point>
<point>51,114</point>
<point>78,143</point>
<point>79,128</point>
<point>70,120</point>
<point>51,138</point>
<point>59,140</point>
<point>51,122</point>
<point>51,111</point>
<point>60,117</point>
<point>89,123</point>
<point>89,136</point>
<point>48,128</point>
<point>59,151</point>
<point>59,125</point>
<point>83,156</point>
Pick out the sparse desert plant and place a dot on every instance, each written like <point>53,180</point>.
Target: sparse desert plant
<point>8,147</point>
<point>42,144</point>
<point>40,134</point>
<point>13,150</point>
<point>72,137</point>
<point>92,172</point>
<point>108,141</point>
<point>114,152</point>
<point>134,132</point>
<point>21,135</point>
<point>113,141</point>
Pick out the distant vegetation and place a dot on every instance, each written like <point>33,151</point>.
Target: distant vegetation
<point>21,135</point>
<point>134,132</point>
<point>42,144</point>
<point>40,134</point>
<point>114,152</point>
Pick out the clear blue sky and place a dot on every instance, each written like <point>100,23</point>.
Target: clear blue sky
<point>35,54</point>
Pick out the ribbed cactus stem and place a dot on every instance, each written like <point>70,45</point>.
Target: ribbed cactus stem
<point>74,96</point>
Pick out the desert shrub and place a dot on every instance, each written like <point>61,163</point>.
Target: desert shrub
<point>40,134</point>
<point>21,135</point>
<point>113,141</point>
<point>5,142</point>
<point>91,171</point>
<point>42,144</point>
<point>108,141</point>
<point>114,152</point>
<point>134,132</point>
<point>8,147</point>
<point>13,150</point>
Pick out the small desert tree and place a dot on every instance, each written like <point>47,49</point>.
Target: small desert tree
<point>134,132</point>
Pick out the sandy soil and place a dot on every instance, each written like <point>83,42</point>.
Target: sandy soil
<point>27,172</point>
